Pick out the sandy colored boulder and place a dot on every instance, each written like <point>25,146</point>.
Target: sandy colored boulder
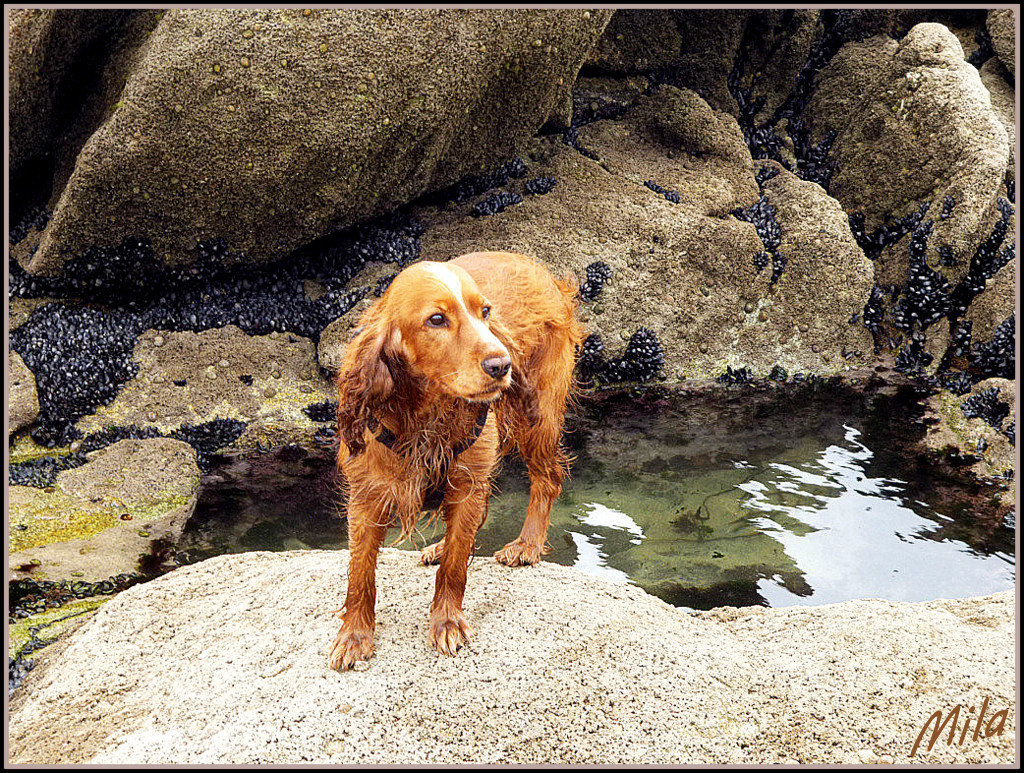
<point>23,400</point>
<point>924,130</point>
<point>699,46</point>
<point>684,270</point>
<point>222,373</point>
<point>101,517</point>
<point>270,128</point>
<point>225,662</point>
<point>1002,29</point>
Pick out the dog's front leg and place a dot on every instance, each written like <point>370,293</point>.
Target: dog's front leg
<point>367,525</point>
<point>448,627</point>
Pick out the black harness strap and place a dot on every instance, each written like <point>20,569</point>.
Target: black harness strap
<point>434,496</point>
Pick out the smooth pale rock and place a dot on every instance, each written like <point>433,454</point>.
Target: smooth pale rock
<point>225,662</point>
<point>23,400</point>
<point>271,128</point>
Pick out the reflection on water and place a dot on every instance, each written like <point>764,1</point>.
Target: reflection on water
<point>733,498</point>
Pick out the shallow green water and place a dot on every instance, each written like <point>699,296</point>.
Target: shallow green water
<point>781,497</point>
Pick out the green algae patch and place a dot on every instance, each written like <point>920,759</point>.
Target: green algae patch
<point>23,448</point>
<point>40,517</point>
<point>33,633</point>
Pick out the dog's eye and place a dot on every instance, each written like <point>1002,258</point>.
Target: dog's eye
<point>437,320</point>
<point>485,312</point>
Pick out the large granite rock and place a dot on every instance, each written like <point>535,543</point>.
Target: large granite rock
<point>921,129</point>
<point>23,400</point>
<point>226,662</point>
<point>269,128</point>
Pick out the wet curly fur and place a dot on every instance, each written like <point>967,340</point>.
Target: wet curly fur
<point>487,327</point>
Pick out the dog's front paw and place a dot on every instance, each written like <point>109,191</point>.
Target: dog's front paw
<point>449,632</point>
<point>520,553</point>
<point>431,554</point>
<point>350,646</point>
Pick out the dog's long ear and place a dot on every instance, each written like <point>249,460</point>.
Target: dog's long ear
<point>366,381</point>
<point>523,390</point>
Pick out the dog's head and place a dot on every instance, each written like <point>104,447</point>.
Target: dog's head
<point>433,329</point>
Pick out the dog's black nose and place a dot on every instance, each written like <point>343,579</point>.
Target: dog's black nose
<point>496,367</point>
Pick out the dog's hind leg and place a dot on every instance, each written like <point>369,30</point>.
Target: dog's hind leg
<point>539,446</point>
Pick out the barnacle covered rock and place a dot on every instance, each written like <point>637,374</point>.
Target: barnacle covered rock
<point>193,378</point>
<point>101,516</point>
<point>1001,29</point>
<point>684,271</point>
<point>268,129</point>
<point>23,401</point>
<point>977,429</point>
<point>691,49</point>
<point>920,128</point>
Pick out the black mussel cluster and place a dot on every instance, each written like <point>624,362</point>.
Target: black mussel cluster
<point>987,406</point>
<point>598,273</point>
<point>812,162</point>
<point>992,254</point>
<point>571,137</point>
<point>323,411</point>
<point>36,218</point>
<point>948,204</point>
<point>887,234</point>
<point>641,361</point>
<point>735,376</point>
<point>956,381</point>
<point>473,185</point>
<point>925,298</point>
<point>495,203</point>
<point>206,438</point>
<point>761,215</point>
<point>912,359</point>
<point>778,373</point>
<point>81,354</point>
<point>29,597</point>
<point>669,195</point>
<point>538,186</point>
<point>996,357</point>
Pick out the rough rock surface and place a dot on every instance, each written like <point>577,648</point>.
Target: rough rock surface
<point>270,128</point>
<point>925,130</point>
<point>698,46</point>
<point>225,662</point>
<point>1002,29</point>
<point>226,374</point>
<point>684,270</point>
<point>988,451</point>
<point>100,517</point>
<point>23,401</point>
<point>997,81</point>
<point>52,53</point>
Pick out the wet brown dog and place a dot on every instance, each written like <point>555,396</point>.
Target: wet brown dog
<point>454,365</point>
